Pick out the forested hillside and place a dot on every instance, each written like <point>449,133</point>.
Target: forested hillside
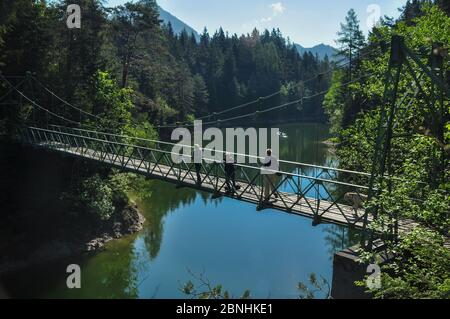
<point>322,50</point>
<point>160,76</point>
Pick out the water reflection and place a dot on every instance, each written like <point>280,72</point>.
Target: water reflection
<point>305,144</point>
<point>266,252</point>
<point>168,198</point>
<point>339,238</point>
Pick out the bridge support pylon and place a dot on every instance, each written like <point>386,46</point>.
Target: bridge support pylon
<point>262,206</point>
<point>217,195</point>
<point>317,220</point>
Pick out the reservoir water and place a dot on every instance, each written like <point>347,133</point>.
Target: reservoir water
<point>188,234</point>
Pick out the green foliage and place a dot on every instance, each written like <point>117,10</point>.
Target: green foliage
<point>143,131</point>
<point>351,38</point>
<point>419,167</point>
<point>120,185</point>
<point>419,270</point>
<point>334,102</point>
<point>230,70</point>
<point>25,34</point>
<point>133,73</point>
<point>320,286</point>
<point>165,113</point>
<point>97,198</point>
<point>145,68</point>
<point>205,290</point>
<point>141,187</point>
<point>343,102</point>
<point>113,103</point>
<point>131,25</point>
<point>201,95</point>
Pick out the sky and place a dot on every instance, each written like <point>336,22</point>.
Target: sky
<point>307,22</point>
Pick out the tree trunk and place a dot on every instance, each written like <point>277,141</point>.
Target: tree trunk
<point>125,71</point>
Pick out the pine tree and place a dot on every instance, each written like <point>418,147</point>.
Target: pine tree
<point>129,23</point>
<point>351,38</point>
<point>201,95</point>
<point>230,85</point>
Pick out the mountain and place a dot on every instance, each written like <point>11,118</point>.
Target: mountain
<point>321,50</point>
<point>177,25</point>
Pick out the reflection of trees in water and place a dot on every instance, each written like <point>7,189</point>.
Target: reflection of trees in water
<point>106,275</point>
<point>304,143</point>
<point>339,238</point>
<point>165,198</point>
<point>118,275</point>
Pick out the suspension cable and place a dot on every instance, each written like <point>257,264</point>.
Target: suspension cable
<point>201,118</point>
<point>285,105</point>
<point>37,105</point>
<point>64,101</point>
<point>318,75</point>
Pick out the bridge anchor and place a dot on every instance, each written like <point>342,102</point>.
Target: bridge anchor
<point>261,206</point>
<point>216,195</point>
<point>317,220</point>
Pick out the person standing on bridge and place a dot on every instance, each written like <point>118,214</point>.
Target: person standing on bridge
<point>269,173</point>
<point>230,173</point>
<point>198,161</point>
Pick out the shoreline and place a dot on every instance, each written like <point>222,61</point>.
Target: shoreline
<point>129,221</point>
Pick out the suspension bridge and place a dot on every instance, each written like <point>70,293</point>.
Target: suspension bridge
<point>324,194</point>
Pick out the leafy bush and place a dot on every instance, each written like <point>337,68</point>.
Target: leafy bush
<point>97,198</point>
<point>419,270</point>
<point>120,184</point>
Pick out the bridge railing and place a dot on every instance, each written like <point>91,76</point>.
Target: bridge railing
<point>286,166</point>
<point>319,195</point>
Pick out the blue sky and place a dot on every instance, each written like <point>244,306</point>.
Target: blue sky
<point>307,22</point>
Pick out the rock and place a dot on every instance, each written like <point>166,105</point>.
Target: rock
<point>124,222</point>
<point>117,230</point>
<point>135,221</point>
<point>128,221</point>
<point>97,244</point>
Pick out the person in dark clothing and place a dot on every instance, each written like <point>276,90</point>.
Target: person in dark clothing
<point>230,173</point>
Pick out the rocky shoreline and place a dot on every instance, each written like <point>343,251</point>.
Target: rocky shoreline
<point>128,222</point>
<point>125,222</point>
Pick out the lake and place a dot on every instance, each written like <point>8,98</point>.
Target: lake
<point>189,236</point>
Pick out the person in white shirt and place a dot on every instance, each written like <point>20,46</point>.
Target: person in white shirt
<point>269,172</point>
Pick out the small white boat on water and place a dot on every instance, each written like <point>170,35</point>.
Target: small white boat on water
<point>282,134</point>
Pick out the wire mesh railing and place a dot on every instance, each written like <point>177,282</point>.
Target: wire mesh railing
<point>319,193</point>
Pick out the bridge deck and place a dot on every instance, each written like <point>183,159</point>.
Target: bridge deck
<point>292,203</point>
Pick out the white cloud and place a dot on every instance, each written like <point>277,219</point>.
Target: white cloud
<point>264,20</point>
<point>277,8</point>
